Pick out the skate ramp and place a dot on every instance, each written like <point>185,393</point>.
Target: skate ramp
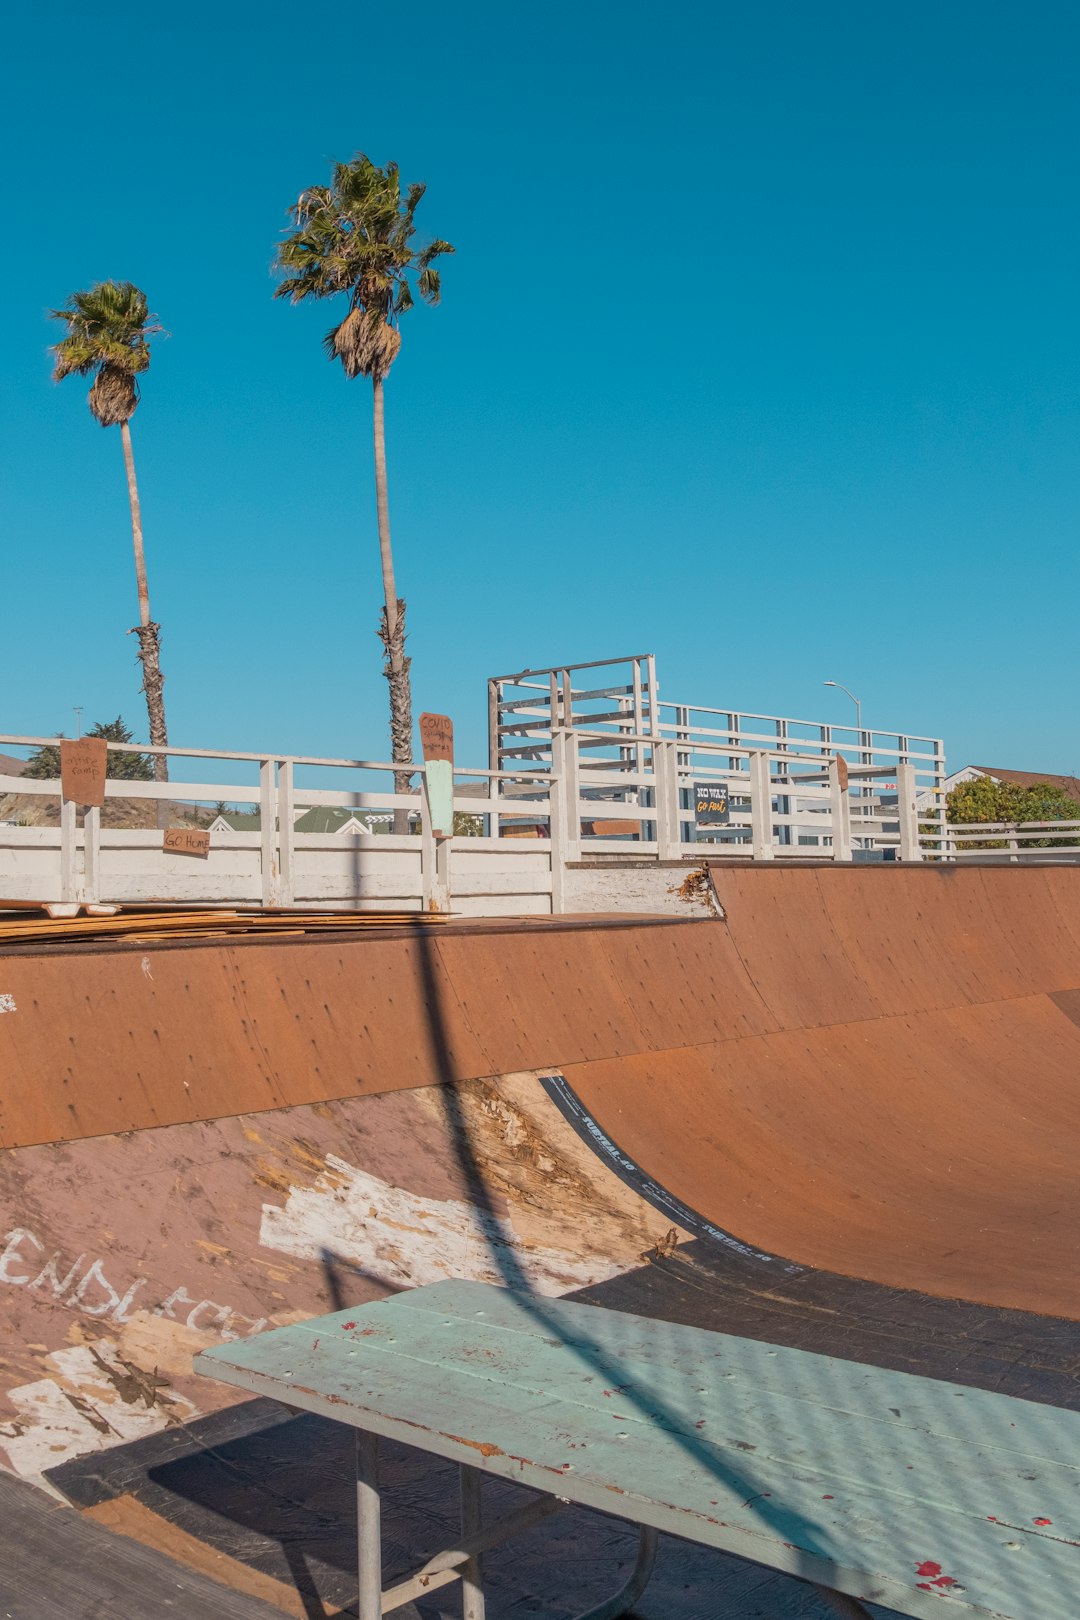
<point>903,1103</point>
<point>839,1115</point>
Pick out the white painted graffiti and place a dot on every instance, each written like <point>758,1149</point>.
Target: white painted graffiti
<point>7,1003</point>
<point>26,1262</point>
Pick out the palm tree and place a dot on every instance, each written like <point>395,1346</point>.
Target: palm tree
<point>108,332</point>
<point>355,236</point>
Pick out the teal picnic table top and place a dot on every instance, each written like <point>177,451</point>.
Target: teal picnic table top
<point>919,1495</point>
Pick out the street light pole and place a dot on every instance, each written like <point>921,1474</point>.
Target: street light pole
<point>854,699</point>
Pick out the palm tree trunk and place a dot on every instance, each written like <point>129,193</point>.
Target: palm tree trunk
<point>392,624</point>
<point>148,632</point>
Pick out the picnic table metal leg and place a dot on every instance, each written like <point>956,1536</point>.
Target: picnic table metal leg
<point>639,1580</point>
<point>847,1608</point>
<point>368,1526</point>
<point>472,1588</point>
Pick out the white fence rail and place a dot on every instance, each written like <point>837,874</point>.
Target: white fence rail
<point>533,823</point>
<point>1044,841</point>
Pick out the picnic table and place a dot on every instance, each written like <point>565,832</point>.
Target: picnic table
<point>922,1496</point>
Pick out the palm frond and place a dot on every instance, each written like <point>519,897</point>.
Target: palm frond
<point>108,331</point>
<point>355,237</point>
<point>429,285</point>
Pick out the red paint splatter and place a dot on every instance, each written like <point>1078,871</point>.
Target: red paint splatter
<point>924,1586</point>
<point>944,1580</point>
<point>1042,1521</point>
<point>992,1517</point>
<point>700,1424</point>
<point>350,1324</point>
<point>828,1499</point>
<point>928,1568</point>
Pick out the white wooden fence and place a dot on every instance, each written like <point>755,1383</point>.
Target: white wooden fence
<point>538,823</point>
<point>1051,842</point>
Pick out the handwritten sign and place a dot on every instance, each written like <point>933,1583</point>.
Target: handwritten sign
<point>82,769</point>
<point>711,805</point>
<point>187,841</point>
<point>437,736</point>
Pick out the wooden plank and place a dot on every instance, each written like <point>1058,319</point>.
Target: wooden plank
<point>57,1565</point>
<point>892,1488</point>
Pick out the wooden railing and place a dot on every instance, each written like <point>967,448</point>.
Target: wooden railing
<point>526,824</point>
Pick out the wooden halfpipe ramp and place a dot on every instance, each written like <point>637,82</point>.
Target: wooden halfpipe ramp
<point>842,1111</point>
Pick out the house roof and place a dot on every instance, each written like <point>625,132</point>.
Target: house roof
<point>320,818</point>
<point>1068,784</point>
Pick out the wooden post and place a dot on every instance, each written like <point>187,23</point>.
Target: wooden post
<point>92,854</point>
<point>434,857</point>
<point>761,828</point>
<point>494,753</point>
<point>268,831</point>
<point>910,847</point>
<point>286,843</point>
<point>666,772</point>
<point>67,850</point>
<point>840,806</point>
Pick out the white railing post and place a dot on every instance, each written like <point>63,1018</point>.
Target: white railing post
<point>92,854</point>
<point>761,829</point>
<point>557,824</point>
<point>67,850</point>
<point>268,812</point>
<point>840,808</point>
<point>434,857</point>
<point>286,842</point>
<point>910,846</point>
<point>566,762</point>
<point>666,776</point>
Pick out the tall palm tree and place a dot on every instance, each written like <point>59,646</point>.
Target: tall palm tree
<point>108,332</point>
<point>355,236</point>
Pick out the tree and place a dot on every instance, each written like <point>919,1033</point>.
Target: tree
<point>133,767</point>
<point>355,237</point>
<point>108,332</point>
<point>981,799</point>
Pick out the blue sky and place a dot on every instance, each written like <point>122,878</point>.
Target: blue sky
<point>759,351</point>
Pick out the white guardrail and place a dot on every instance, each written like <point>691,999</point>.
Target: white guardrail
<point>520,831</point>
<point>1043,841</point>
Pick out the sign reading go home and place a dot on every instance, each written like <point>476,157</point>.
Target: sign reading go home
<point>187,841</point>
<point>711,804</point>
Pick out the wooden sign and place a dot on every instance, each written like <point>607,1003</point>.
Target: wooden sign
<point>711,805</point>
<point>616,829</point>
<point>842,772</point>
<point>187,841</point>
<point>82,769</point>
<point>437,736</point>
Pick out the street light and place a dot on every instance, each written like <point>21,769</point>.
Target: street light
<point>854,699</point>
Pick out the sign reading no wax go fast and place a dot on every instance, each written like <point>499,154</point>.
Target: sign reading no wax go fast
<point>711,804</point>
